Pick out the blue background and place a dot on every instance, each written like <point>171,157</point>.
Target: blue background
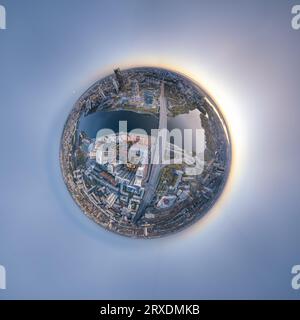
<point>246,55</point>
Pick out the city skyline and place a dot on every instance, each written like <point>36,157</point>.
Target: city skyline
<point>141,198</point>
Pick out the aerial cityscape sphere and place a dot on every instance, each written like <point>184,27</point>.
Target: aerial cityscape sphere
<point>145,152</point>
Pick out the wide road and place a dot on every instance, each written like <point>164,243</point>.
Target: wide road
<point>151,185</point>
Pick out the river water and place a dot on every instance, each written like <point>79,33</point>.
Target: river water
<point>92,123</point>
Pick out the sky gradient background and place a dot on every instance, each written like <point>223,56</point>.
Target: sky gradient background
<point>245,54</point>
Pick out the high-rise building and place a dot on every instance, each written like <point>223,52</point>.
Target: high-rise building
<point>120,79</point>
<point>135,90</point>
<point>116,85</point>
<point>101,93</point>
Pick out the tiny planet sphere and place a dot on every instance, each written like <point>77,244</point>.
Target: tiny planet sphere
<point>145,152</point>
